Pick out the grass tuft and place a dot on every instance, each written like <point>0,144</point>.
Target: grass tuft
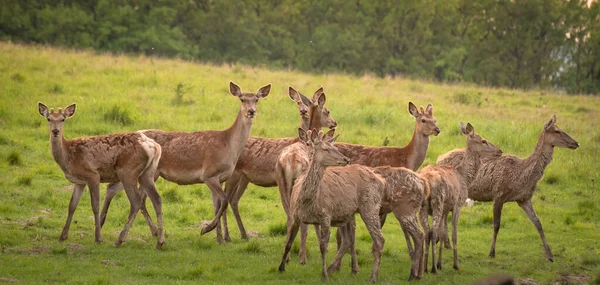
<point>118,115</point>
<point>468,98</point>
<point>24,180</point>
<point>253,246</point>
<point>14,158</point>
<point>56,89</point>
<point>17,77</point>
<point>551,179</point>
<point>277,229</point>
<point>172,196</point>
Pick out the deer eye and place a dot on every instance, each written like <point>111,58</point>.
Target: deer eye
<point>422,120</point>
<point>484,141</point>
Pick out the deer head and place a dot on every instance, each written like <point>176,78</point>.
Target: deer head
<point>317,115</point>
<point>249,100</point>
<point>426,123</point>
<point>322,150</point>
<point>478,144</point>
<point>554,136</point>
<point>56,119</point>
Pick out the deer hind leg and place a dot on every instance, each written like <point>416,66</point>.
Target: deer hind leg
<point>111,190</point>
<point>371,219</point>
<point>411,225</point>
<point>235,200</point>
<point>455,216</point>
<point>442,235</point>
<point>149,187</point>
<point>497,217</point>
<point>219,202</point>
<point>95,200</point>
<point>424,220</point>
<point>292,231</point>
<point>75,198</point>
<point>528,208</point>
<point>135,202</point>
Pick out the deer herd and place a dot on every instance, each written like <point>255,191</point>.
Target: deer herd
<point>321,182</point>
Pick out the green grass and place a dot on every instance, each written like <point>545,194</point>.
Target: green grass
<point>116,93</point>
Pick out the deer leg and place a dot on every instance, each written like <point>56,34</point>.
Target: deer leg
<point>242,185</point>
<point>134,206</point>
<point>455,216</point>
<point>95,200</point>
<point>528,208</point>
<point>447,239</point>
<point>219,200</point>
<point>146,214</point>
<point>352,236</point>
<point>409,246</point>
<point>411,225</point>
<point>111,190</point>
<point>291,235</point>
<point>442,235</point>
<point>344,235</point>
<point>147,183</point>
<point>371,219</point>
<point>497,216</point>
<point>75,197</point>
<point>303,237</point>
<point>424,219</point>
<point>323,244</point>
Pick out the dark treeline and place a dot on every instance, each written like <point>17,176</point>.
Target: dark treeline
<point>509,43</point>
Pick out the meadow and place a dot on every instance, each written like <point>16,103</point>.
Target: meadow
<point>122,93</point>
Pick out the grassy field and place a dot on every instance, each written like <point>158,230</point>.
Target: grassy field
<point>128,93</point>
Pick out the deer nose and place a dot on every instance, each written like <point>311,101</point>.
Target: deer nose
<point>347,160</point>
<point>251,112</point>
<point>438,130</point>
<point>55,131</point>
<point>334,125</point>
<point>303,112</point>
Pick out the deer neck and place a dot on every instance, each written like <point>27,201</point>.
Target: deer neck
<point>417,150</point>
<point>58,146</point>
<point>238,133</point>
<point>315,120</point>
<point>312,183</point>
<point>539,159</point>
<point>469,166</point>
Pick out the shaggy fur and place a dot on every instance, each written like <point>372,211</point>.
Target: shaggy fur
<point>120,158</point>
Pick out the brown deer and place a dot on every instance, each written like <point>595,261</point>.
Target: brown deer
<point>332,197</point>
<point>204,156</point>
<point>294,159</point>
<point>257,162</point>
<point>128,158</point>
<point>449,187</point>
<point>512,179</point>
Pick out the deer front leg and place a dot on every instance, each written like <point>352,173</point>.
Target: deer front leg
<point>497,216</point>
<point>323,244</point>
<point>95,200</point>
<point>528,208</point>
<point>75,198</point>
<point>292,231</point>
<point>134,206</point>
<point>147,183</point>
<point>234,200</point>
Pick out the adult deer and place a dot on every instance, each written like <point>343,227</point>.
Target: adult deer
<point>512,179</point>
<point>294,159</point>
<point>257,162</point>
<point>449,190</point>
<point>332,197</point>
<point>125,158</point>
<point>204,156</point>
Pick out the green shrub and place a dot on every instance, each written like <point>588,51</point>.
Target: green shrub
<point>14,158</point>
<point>278,229</point>
<point>118,115</point>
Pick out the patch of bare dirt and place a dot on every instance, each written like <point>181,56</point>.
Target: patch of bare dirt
<point>8,280</point>
<point>31,250</point>
<point>75,246</point>
<point>109,262</point>
<point>573,280</point>
<point>527,281</point>
<point>253,234</point>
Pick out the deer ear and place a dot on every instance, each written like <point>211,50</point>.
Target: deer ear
<point>303,135</point>
<point>328,137</point>
<point>69,111</point>
<point>234,89</point>
<point>263,91</point>
<point>314,136</point>
<point>321,100</point>
<point>317,94</point>
<point>429,109</point>
<point>294,95</point>
<point>42,109</point>
<point>550,123</point>
<point>412,109</point>
<point>467,130</point>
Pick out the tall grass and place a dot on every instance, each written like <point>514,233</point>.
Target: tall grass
<point>129,93</point>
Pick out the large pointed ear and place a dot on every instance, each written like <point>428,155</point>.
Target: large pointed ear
<point>317,95</point>
<point>69,111</point>
<point>304,136</point>
<point>467,130</point>
<point>315,136</point>
<point>234,89</point>
<point>294,95</point>
<point>322,99</point>
<point>412,109</point>
<point>329,136</point>
<point>43,109</point>
<point>263,91</point>
<point>429,109</point>
<point>550,123</point>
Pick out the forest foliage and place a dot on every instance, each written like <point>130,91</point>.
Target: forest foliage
<point>547,44</point>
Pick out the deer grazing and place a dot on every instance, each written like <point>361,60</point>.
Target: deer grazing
<point>204,156</point>
<point>257,162</point>
<point>513,179</point>
<point>449,187</point>
<point>294,159</point>
<point>129,158</point>
<point>332,197</point>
